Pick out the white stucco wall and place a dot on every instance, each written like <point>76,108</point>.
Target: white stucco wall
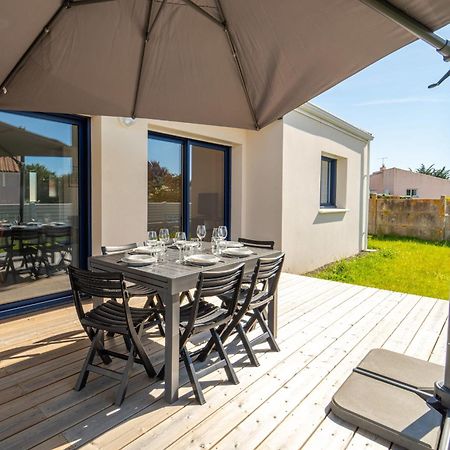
<point>311,238</point>
<point>275,184</point>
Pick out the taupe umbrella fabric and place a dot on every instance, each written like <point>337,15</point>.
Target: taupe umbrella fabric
<point>93,59</point>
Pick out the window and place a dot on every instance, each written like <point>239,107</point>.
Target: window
<point>411,192</point>
<point>328,182</point>
<point>44,206</point>
<point>188,184</point>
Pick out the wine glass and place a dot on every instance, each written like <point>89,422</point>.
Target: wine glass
<point>223,232</point>
<point>152,237</point>
<point>215,238</point>
<point>201,233</point>
<point>180,242</point>
<point>164,238</point>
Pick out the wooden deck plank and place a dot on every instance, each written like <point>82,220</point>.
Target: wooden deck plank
<point>325,329</point>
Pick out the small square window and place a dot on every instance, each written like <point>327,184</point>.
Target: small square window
<point>328,182</point>
<point>411,192</point>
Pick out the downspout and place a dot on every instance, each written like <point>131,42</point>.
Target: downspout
<point>366,194</point>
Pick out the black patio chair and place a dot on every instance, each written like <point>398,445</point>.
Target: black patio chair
<point>201,315</point>
<point>136,289</point>
<point>269,245</point>
<point>7,251</point>
<point>56,240</point>
<point>27,245</point>
<point>252,302</point>
<point>114,316</point>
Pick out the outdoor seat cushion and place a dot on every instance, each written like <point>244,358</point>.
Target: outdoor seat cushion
<point>110,316</point>
<point>209,315</point>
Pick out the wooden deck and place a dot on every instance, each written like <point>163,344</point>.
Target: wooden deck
<point>325,328</point>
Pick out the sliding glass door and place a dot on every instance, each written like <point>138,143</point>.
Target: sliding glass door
<point>188,184</point>
<point>165,192</point>
<point>43,208</point>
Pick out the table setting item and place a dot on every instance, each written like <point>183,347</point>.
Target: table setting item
<point>238,252</point>
<point>201,259</point>
<point>138,260</point>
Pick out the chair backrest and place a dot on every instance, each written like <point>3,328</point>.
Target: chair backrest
<point>114,249</point>
<point>215,283</point>
<point>267,271</point>
<point>257,244</point>
<point>97,284</point>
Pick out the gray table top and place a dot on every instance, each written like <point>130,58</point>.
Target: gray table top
<point>169,272</point>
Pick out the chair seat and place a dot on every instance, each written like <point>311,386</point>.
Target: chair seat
<point>110,316</point>
<point>260,298</point>
<point>209,315</point>
<point>139,290</point>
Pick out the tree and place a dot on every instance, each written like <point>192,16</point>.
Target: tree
<point>163,186</point>
<point>439,173</point>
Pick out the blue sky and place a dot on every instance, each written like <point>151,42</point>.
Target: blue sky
<point>51,129</point>
<point>391,100</point>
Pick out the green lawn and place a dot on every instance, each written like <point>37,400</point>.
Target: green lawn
<point>399,264</point>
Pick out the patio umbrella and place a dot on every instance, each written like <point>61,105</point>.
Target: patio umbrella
<point>240,63</point>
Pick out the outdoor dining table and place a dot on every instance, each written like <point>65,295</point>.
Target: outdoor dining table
<point>170,279</point>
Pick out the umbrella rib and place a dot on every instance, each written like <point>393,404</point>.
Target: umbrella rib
<point>224,25</point>
<point>237,61</point>
<point>148,30</point>
<point>66,4</point>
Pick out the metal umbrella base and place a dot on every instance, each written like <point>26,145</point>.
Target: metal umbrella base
<point>397,397</point>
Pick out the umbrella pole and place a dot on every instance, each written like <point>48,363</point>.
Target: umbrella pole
<point>412,25</point>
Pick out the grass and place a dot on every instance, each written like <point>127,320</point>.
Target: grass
<point>399,264</point>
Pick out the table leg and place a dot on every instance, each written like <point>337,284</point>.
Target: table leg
<point>273,315</point>
<point>172,347</point>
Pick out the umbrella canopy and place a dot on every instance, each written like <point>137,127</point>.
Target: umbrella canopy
<point>240,63</point>
<point>16,142</point>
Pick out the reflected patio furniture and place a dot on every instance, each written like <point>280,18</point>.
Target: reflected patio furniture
<point>6,248</point>
<point>56,241</point>
<point>202,316</point>
<point>115,316</point>
<point>26,244</point>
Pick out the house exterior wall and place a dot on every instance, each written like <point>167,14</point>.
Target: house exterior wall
<point>275,179</point>
<point>395,182</point>
<point>312,236</point>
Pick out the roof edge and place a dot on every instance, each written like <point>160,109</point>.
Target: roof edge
<point>314,112</point>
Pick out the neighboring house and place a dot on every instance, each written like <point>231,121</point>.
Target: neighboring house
<point>9,180</point>
<point>400,182</point>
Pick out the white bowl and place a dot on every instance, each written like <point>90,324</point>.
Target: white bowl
<point>202,259</point>
<point>234,244</point>
<point>138,260</point>
<point>239,252</point>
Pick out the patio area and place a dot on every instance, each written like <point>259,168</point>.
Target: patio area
<point>325,328</point>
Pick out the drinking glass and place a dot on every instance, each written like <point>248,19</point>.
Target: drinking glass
<point>152,237</point>
<point>222,236</point>
<point>215,238</point>
<point>194,245</point>
<point>201,233</point>
<point>164,238</point>
<point>180,242</point>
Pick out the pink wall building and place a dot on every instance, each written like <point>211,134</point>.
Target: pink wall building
<point>401,182</point>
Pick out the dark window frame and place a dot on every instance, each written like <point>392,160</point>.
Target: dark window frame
<point>186,144</point>
<point>84,212</point>
<point>331,179</point>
